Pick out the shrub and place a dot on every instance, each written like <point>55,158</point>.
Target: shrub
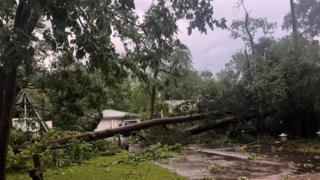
<point>214,168</point>
<point>75,152</point>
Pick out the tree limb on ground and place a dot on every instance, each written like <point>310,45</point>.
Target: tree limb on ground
<point>90,136</point>
<point>124,129</point>
<point>224,121</point>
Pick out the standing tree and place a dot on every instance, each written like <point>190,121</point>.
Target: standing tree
<point>307,13</point>
<point>294,26</point>
<point>305,16</point>
<point>160,47</point>
<point>246,30</point>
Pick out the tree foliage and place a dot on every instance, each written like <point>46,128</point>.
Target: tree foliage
<point>307,14</point>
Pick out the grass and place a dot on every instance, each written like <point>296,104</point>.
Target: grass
<point>105,168</point>
<point>309,146</point>
<point>214,168</point>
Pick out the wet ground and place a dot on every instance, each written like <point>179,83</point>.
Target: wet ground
<point>211,162</point>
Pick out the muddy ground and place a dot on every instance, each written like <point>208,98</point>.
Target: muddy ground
<point>212,162</point>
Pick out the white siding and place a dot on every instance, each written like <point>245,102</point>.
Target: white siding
<point>108,124</point>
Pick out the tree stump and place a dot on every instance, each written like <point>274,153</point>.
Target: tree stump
<point>36,172</point>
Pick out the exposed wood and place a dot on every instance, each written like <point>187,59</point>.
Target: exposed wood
<point>124,129</point>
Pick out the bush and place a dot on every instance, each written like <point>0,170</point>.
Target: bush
<point>19,161</point>
<point>75,152</point>
<point>214,168</point>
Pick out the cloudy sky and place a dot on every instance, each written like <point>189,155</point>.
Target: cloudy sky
<point>212,51</point>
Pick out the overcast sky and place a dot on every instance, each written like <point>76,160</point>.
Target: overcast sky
<point>213,50</point>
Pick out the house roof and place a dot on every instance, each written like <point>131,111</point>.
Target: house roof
<point>114,114</point>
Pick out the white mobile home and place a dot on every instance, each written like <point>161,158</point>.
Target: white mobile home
<point>113,119</point>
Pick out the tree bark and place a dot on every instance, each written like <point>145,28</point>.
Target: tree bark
<point>252,46</point>
<point>90,136</point>
<point>209,126</point>
<point>5,118</point>
<point>249,72</point>
<point>247,19</point>
<point>154,92</point>
<point>2,79</point>
<point>152,101</point>
<point>123,129</point>
<point>294,27</point>
<point>26,17</point>
<point>250,35</point>
<point>225,121</point>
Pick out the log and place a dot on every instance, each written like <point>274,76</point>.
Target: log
<point>224,121</point>
<point>123,129</point>
<point>209,126</point>
<point>91,136</point>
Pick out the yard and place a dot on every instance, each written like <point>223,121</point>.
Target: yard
<point>105,167</point>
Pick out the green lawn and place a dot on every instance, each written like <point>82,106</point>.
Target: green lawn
<point>105,168</point>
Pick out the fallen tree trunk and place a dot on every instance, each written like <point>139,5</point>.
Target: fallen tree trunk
<point>209,126</point>
<point>124,129</point>
<point>224,121</point>
<point>90,136</point>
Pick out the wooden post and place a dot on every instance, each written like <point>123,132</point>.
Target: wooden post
<point>36,172</point>
<point>119,140</point>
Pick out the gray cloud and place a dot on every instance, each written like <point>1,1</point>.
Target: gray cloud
<point>213,50</point>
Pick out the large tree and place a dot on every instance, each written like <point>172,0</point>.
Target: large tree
<point>159,49</point>
<point>247,30</point>
<point>80,27</point>
<point>307,14</point>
